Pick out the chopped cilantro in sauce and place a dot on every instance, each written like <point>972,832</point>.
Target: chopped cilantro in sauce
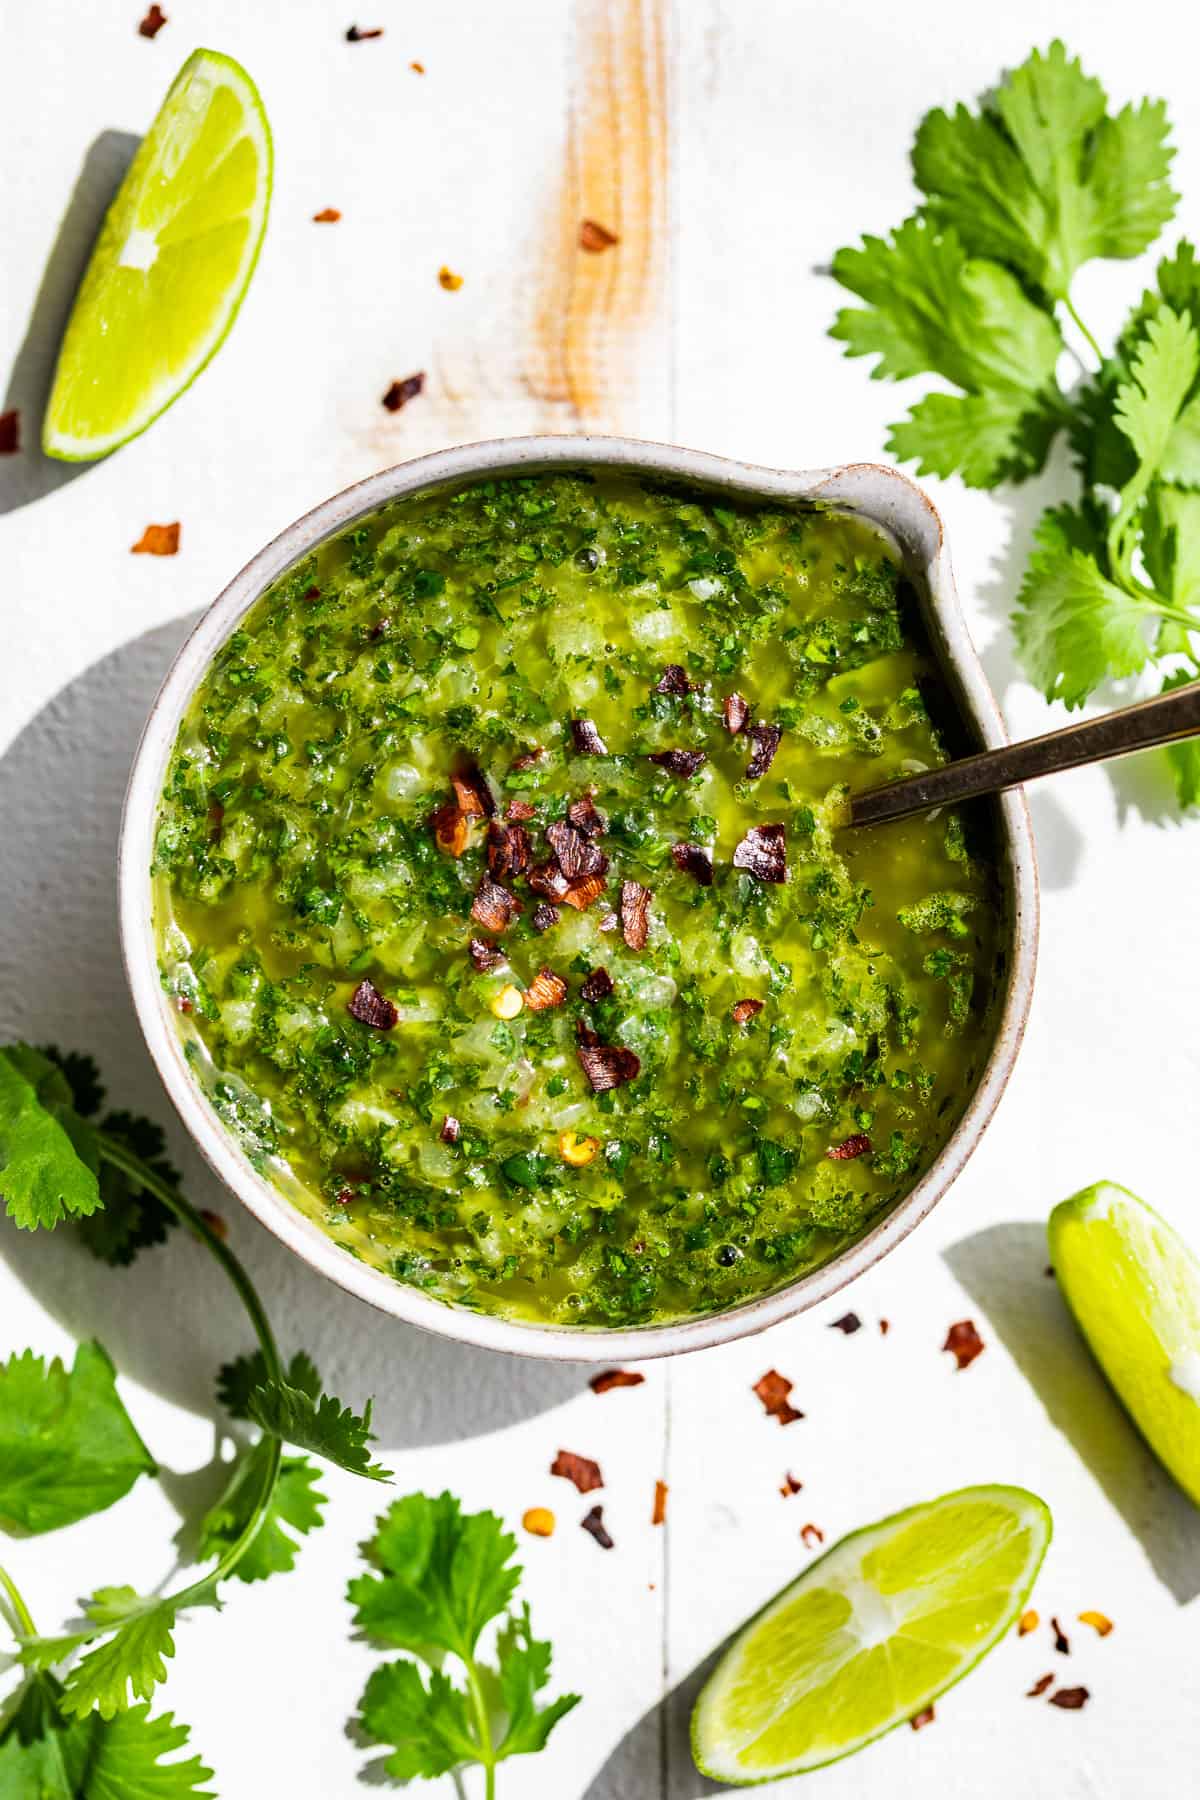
<point>402,865</point>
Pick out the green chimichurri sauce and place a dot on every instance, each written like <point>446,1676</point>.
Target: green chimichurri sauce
<point>542,1147</point>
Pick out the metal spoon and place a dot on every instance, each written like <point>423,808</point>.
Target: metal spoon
<point>1165,719</point>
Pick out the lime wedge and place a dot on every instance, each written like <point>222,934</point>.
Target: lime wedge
<point>870,1634</point>
<point>1134,1287</point>
<point>171,264</point>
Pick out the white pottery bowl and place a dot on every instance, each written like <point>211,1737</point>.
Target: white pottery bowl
<point>875,493</point>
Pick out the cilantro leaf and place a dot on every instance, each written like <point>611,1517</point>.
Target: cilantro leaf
<point>294,1510</point>
<point>1075,627</point>
<point>428,1724</point>
<point>985,438</point>
<point>44,1754</point>
<point>1149,403</point>
<point>132,1218</point>
<point>444,1576</point>
<point>237,1380</point>
<point>524,1671</point>
<point>67,1446</point>
<point>1171,547</point>
<point>1043,179</point>
<point>48,1161</point>
<point>318,1423</point>
<point>132,1659</point>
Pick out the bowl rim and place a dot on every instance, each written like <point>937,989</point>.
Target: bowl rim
<point>873,490</point>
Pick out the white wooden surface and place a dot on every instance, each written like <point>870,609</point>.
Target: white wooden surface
<point>733,148</point>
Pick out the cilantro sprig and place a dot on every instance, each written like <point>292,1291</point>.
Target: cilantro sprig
<point>69,1449</point>
<point>439,1577</point>
<point>976,288</point>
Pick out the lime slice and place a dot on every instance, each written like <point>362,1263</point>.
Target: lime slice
<point>171,264</point>
<point>1134,1287</point>
<point>870,1634</point>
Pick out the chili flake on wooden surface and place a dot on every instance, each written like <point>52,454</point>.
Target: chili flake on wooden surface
<point>158,540</point>
<point>580,1469</point>
<point>773,1390</point>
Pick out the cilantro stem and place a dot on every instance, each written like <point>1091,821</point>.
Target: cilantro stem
<point>21,1613</point>
<point>487,1754</point>
<point>1083,330</point>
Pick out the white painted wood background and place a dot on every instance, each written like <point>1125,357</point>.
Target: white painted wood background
<point>733,147</point>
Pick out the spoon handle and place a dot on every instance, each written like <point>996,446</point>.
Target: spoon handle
<point>1164,719</point>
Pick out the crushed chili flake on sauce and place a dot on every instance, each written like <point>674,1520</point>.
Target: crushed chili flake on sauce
<point>344,1196</point>
<point>608,1065</point>
<point>673,680</point>
<point>693,860</point>
<point>1029,1621</point>
<point>773,1390</point>
<point>595,237</point>
<point>580,1469</point>
<point>964,1343</point>
<point>574,850</point>
<point>158,540</point>
<point>401,392</point>
<point>848,1324</point>
<point>615,1378</point>
<point>10,433</point>
<point>736,710</point>
<point>493,905</point>
<point>356,34</point>
<point>790,1485</point>
<point>472,792</point>
<point>1100,1622</point>
<point>329,215</point>
<point>153,22</point>
<point>593,1524</point>
<point>449,280</point>
<point>763,853</point>
<point>450,829</point>
<point>765,739</point>
<point>684,763</point>
<point>545,990</point>
<point>485,956</point>
<point>811,1535</point>
<point>1062,1642</point>
<point>548,879</point>
<point>635,914</point>
<point>1071,1699</point>
<point>849,1148</point>
<point>742,1010</point>
<point>370,1007</point>
<point>587,739</point>
<point>580,894</point>
<point>544,916</point>
<point>1039,1687</point>
<point>509,851</point>
<point>584,814</point>
<point>923,1718</point>
<point>598,986</point>
<point>519,812</point>
<point>451,1129</point>
<point>659,1514</point>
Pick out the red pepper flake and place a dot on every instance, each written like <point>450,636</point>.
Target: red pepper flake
<point>529,759</point>
<point>10,433</point>
<point>773,1390</point>
<point>692,859</point>
<point>449,280</point>
<point>673,680</point>
<point>311,593</point>
<point>811,1535</point>
<point>849,1148</point>
<point>587,739</point>
<point>736,711</point>
<point>370,1007</point>
<point>763,853</point>
<point>593,1524</point>
<point>615,1378</point>
<point>544,916</point>
<point>216,1224</point>
<point>520,811</point>
<point>472,792</point>
<point>1071,1699</point>
<point>356,34</point>
<point>344,1196</point>
<point>400,392</point>
<point>153,22</point>
<point>595,237</point>
<point>451,1129</point>
<point>548,879</point>
<point>329,215</point>
<point>1062,1642</point>
<point>580,1469</point>
<point>964,1343</point>
<point>1039,1687</point>
<point>158,540</point>
<point>921,1719</point>
<point>635,914</point>
<point>545,990</point>
<point>885,1325</point>
<point>583,814</point>
<point>608,1065</point>
<point>485,956</point>
<point>848,1324</point>
<point>659,1515</point>
<point>450,829</point>
<point>790,1485</point>
<point>598,986</point>
<point>765,739</point>
<point>744,1010</point>
<point>184,1004</point>
<point>580,894</point>
<point>575,851</point>
<point>509,852</point>
<point>683,763</point>
<point>216,819</point>
<point>493,906</point>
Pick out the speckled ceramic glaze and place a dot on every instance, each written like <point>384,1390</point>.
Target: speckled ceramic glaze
<point>875,493</point>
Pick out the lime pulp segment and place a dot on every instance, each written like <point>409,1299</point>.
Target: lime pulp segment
<point>171,264</point>
<point>870,1634</point>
